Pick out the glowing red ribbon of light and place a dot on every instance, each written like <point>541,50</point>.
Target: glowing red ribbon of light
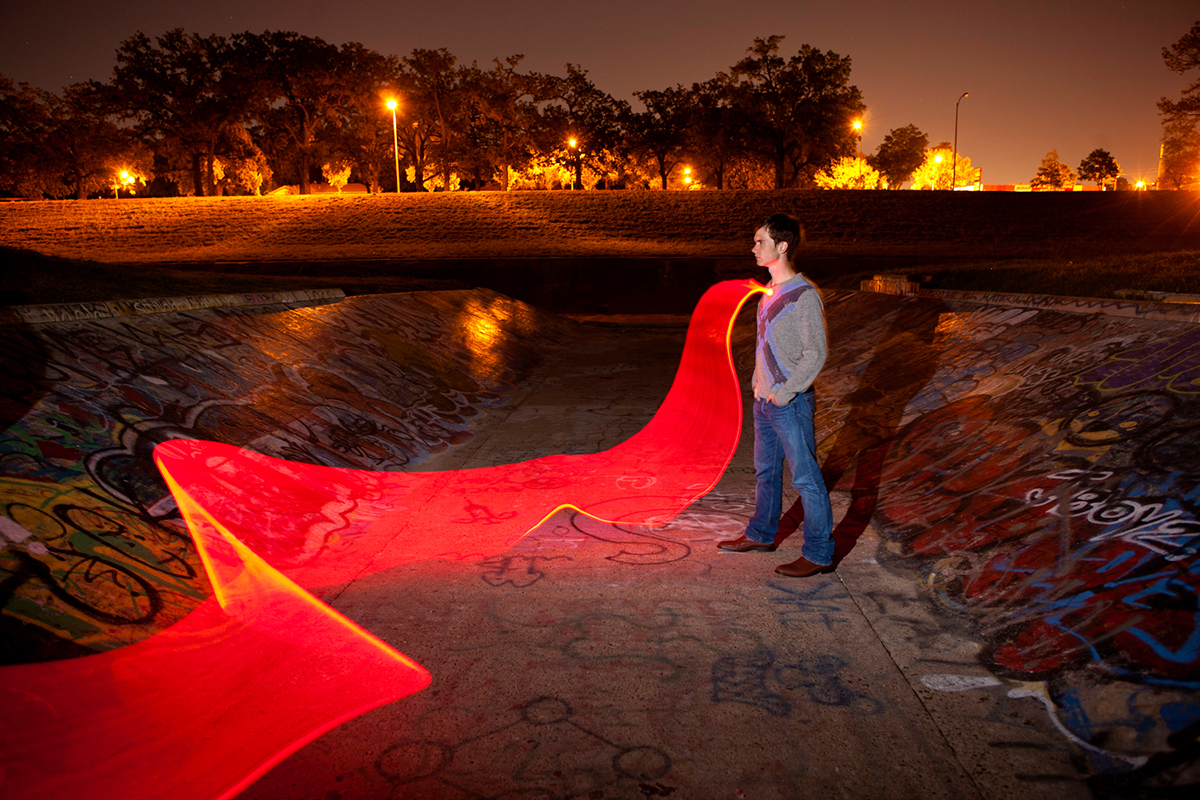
<point>208,705</point>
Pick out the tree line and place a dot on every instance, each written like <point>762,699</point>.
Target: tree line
<point>213,115</point>
<point>1179,157</point>
<point>1179,162</point>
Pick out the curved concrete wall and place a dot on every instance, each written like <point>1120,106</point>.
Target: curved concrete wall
<point>92,552</point>
<point>1036,469</point>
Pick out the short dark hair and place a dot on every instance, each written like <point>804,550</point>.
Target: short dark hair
<point>785,228</point>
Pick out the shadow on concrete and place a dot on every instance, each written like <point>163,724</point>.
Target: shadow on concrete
<point>899,368</point>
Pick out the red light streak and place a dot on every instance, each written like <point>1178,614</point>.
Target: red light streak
<point>206,706</point>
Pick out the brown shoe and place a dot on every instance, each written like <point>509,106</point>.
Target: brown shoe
<point>744,545</point>
<point>802,568</point>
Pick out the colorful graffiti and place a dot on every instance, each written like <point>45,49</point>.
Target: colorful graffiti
<point>93,554</point>
<point>1033,472</point>
<point>1039,468</point>
<point>266,666</point>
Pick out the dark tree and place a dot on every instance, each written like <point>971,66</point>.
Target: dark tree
<point>661,131</point>
<point>433,87</point>
<point>712,131</point>
<point>87,148</point>
<point>23,115</point>
<point>1179,167</point>
<point>184,89</point>
<point>361,136</point>
<point>307,89</point>
<point>795,113</point>
<point>1182,57</point>
<point>53,146</point>
<point>1099,166</point>
<point>1053,174</point>
<point>900,154</point>
<point>502,120</point>
<point>590,116</point>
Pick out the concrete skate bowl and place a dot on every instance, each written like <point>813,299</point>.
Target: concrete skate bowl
<point>1033,469</point>
<point>302,416</point>
<point>1036,471</point>
<point>95,554</point>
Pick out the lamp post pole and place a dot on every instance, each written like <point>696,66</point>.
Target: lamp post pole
<point>578,182</point>
<point>954,155</point>
<point>858,154</point>
<point>127,181</point>
<point>395,143</point>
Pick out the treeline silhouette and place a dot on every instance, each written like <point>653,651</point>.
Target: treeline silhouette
<point>185,114</point>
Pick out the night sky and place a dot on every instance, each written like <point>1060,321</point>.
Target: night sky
<point>1072,75</point>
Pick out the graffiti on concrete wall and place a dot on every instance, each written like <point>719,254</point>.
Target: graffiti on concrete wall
<point>92,553</point>
<point>1040,471</point>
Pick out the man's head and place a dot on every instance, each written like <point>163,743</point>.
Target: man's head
<point>776,241</point>
<point>784,228</point>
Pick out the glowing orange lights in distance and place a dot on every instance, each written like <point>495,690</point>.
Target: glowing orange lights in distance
<point>125,179</point>
<point>391,103</point>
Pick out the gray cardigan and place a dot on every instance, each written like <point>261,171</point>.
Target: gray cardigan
<point>792,346</point>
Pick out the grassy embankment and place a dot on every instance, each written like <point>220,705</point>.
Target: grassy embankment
<point>1093,244</point>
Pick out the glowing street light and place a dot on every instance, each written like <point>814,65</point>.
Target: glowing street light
<point>858,149</point>
<point>127,180</point>
<point>574,145</point>
<point>954,167</point>
<point>936,161</point>
<point>391,103</point>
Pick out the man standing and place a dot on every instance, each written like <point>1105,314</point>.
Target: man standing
<point>790,351</point>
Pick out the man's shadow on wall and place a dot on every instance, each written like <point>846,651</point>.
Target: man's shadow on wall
<point>902,364</point>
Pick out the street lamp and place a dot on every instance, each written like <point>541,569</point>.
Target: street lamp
<point>954,167</point>
<point>578,183</point>
<point>391,103</point>
<point>127,180</point>
<point>936,160</point>
<point>858,154</point>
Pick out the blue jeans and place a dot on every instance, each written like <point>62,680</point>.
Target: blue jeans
<point>787,432</point>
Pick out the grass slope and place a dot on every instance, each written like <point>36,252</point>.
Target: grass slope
<point>1062,243</point>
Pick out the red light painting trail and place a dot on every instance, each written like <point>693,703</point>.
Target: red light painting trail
<point>208,705</point>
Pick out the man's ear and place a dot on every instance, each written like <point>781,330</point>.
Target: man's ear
<point>783,247</point>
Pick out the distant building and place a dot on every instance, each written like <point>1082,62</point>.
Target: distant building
<point>1025,187</point>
